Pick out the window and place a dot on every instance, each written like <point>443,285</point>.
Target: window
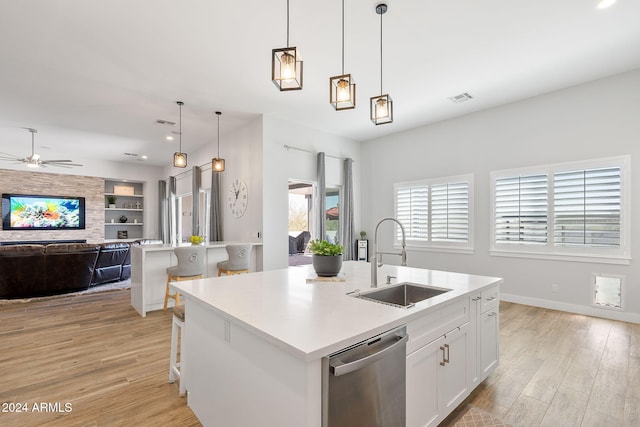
<point>578,209</point>
<point>436,213</point>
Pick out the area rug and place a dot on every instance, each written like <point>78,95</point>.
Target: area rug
<point>470,416</point>
<point>107,287</point>
<point>299,260</point>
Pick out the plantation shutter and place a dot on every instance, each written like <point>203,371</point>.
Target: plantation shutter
<point>412,211</point>
<point>521,209</point>
<point>587,207</point>
<point>450,212</point>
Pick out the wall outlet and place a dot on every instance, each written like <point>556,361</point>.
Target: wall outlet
<point>555,287</point>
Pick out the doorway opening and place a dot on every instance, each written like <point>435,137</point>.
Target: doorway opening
<point>300,221</point>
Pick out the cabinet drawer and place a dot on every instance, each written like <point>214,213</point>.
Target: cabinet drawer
<point>489,299</point>
<point>425,329</point>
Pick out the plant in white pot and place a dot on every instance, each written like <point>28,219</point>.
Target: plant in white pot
<point>327,258</point>
<point>111,200</point>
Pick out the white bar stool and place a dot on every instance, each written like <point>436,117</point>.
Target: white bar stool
<point>176,368</point>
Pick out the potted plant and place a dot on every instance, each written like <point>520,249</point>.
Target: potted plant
<point>196,240</point>
<point>112,201</point>
<point>327,258</point>
<point>363,235</point>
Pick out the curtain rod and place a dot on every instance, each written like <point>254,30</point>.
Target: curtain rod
<point>190,169</point>
<point>289,147</point>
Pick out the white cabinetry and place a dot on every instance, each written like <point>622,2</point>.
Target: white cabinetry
<point>484,309</point>
<point>437,371</point>
<point>124,221</point>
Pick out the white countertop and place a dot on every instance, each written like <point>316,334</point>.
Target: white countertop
<point>167,247</point>
<point>312,320</point>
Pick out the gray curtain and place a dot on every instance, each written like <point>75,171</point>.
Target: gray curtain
<point>173,211</point>
<point>196,184</point>
<point>321,202</point>
<point>163,212</point>
<point>346,215</point>
<point>215,225</point>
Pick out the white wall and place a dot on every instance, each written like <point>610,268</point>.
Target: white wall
<point>597,119</point>
<point>280,165</point>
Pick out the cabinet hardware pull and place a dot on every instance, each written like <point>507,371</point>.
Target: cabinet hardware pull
<point>491,299</point>
<point>476,299</point>
<point>493,313</point>
<point>446,359</point>
<point>443,359</point>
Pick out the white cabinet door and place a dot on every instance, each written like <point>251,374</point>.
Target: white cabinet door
<point>423,366</point>
<point>453,375</point>
<point>488,342</point>
<point>473,360</point>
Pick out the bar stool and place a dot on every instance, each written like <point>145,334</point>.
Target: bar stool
<point>238,262</point>
<point>190,266</point>
<point>176,368</point>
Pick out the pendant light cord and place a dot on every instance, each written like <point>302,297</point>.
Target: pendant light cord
<point>343,37</point>
<point>287,23</point>
<point>218,113</point>
<point>180,108</point>
<point>381,53</point>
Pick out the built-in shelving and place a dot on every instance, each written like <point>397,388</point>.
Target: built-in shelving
<point>130,204</point>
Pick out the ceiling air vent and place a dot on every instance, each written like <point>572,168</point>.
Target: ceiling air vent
<point>131,154</point>
<point>165,122</point>
<point>461,98</point>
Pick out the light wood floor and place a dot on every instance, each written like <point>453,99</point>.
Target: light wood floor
<point>561,369</point>
<point>96,353</point>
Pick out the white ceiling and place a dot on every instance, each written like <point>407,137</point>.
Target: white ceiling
<point>93,76</point>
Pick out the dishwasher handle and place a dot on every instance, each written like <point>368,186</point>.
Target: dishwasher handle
<point>338,367</point>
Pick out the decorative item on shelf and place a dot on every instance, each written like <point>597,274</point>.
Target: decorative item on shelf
<point>122,234</point>
<point>138,205</point>
<point>327,258</point>
<point>286,65</point>
<point>180,158</point>
<point>124,190</point>
<point>123,219</point>
<point>111,200</point>
<point>381,107</point>
<point>217,163</point>
<point>342,89</point>
<point>196,240</point>
<point>363,235</point>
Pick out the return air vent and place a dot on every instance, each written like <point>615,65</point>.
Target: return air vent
<point>165,122</point>
<point>131,154</point>
<point>461,98</point>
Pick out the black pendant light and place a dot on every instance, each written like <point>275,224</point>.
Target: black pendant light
<point>180,158</point>
<point>217,163</point>
<point>381,107</point>
<point>342,89</point>
<point>286,65</point>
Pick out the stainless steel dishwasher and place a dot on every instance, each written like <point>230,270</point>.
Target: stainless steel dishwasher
<point>364,385</point>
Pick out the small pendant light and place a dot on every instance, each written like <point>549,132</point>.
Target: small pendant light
<point>217,164</point>
<point>180,158</point>
<point>342,90</point>
<point>381,107</point>
<point>286,65</point>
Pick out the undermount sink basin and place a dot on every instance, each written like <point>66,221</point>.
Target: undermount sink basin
<point>403,294</point>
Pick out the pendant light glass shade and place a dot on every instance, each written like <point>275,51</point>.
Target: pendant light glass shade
<point>217,163</point>
<point>286,65</point>
<point>342,89</point>
<point>381,107</point>
<point>180,158</point>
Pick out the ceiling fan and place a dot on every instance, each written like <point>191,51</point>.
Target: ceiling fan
<point>34,160</point>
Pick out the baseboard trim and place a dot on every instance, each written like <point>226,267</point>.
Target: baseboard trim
<point>572,308</point>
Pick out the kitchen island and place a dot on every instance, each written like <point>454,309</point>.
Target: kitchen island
<point>255,342</point>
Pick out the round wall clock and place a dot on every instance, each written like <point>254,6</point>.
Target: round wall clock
<point>237,198</point>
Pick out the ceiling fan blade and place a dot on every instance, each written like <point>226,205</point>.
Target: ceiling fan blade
<point>10,155</point>
<point>63,165</point>
<point>57,161</point>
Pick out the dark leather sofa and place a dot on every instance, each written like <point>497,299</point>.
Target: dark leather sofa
<point>38,270</point>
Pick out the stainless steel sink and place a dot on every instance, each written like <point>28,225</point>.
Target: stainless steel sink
<point>402,295</point>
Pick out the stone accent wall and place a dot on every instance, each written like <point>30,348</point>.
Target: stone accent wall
<point>42,183</point>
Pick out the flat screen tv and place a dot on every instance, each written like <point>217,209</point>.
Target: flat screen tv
<point>36,212</point>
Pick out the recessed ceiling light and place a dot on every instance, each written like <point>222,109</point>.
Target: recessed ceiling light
<point>169,138</point>
<point>143,157</point>
<point>603,4</point>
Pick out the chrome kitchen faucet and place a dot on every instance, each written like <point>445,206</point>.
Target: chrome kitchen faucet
<point>376,257</point>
